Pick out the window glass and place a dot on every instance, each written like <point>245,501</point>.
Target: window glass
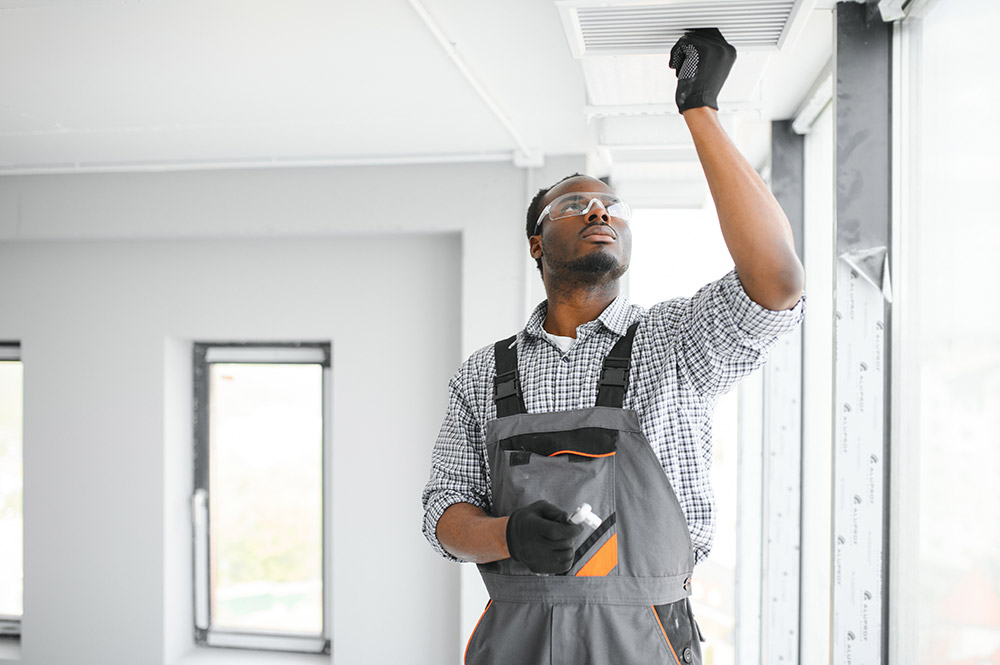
<point>959,334</point>
<point>11,495</point>
<point>266,496</point>
<point>674,253</point>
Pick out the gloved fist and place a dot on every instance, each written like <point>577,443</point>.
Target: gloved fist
<point>541,537</point>
<point>703,60</point>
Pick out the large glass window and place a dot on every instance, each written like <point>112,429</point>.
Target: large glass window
<point>11,486</point>
<point>955,349</point>
<point>259,536</point>
<point>674,253</point>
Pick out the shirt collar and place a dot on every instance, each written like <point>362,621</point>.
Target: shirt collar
<point>615,317</point>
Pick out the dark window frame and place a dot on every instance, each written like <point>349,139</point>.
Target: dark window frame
<point>283,353</point>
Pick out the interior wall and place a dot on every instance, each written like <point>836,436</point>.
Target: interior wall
<point>101,557</point>
<point>107,279</point>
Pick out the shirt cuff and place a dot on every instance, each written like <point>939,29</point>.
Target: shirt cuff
<point>752,319</point>
<point>435,509</point>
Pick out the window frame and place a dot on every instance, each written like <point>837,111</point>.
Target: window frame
<point>10,625</point>
<point>258,353</point>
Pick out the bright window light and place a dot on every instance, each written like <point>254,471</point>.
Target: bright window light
<point>264,500</point>
<point>957,349</point>
<point>675,253</point>
<point>11,495</point>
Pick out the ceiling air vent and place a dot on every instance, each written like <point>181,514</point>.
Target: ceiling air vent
<point>632,27</point>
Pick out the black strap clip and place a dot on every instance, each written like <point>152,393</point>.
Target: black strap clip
<point>506,385</point>
<point>615,374</point>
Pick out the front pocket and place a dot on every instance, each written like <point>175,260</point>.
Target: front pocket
<point>465,656</point>
<point>510,632</point>
<point>678,628</point>
<point>567,469</point>
<point>598,634</point>
<point>666,638</point>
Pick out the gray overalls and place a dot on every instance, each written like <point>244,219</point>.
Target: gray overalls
<point>625,600</point>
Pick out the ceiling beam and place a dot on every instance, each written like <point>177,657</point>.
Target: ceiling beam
<point>525,155</point>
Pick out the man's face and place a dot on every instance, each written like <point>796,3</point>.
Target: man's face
<point>590,248</point>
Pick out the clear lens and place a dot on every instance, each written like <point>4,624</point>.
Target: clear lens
<point>578,203</point>
<point>619,210</point>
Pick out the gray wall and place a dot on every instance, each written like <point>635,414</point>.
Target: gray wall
<point>107,280</point>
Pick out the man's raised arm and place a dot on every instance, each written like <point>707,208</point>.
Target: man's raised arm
<point>753,224</point>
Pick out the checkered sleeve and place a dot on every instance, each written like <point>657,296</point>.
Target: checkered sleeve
<point>725,335</point>
<point>458,471</point>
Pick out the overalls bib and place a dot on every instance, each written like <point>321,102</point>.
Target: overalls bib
<point>625,600</point>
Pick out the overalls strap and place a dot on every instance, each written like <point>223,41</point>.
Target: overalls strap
<point>614,374</point>
<point>506,385</point>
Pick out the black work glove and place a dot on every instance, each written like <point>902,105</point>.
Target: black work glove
<point>541,537</point>
<point>703,59</point>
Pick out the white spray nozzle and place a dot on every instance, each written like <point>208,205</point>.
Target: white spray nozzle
<point>585,515</point>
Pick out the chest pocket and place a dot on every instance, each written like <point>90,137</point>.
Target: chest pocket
<point>567,468</point>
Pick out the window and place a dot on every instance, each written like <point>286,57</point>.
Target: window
<point>950,386</point>
<point>260,427</point>
<point>11,494</point>
<point>658,234</point>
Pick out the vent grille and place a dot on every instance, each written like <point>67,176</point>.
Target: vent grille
<point>636,27</point>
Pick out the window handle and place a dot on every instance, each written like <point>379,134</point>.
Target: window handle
<point>199,519</point>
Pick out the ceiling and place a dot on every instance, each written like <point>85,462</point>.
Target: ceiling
<point>115,85</point>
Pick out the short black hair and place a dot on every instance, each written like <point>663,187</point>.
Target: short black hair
<point>535,209</point>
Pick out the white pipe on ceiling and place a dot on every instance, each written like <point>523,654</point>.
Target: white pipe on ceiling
<point>526,153</point>
<point>147,167</point>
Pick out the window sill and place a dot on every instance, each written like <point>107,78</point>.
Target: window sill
<point>10,650</point>
<point>225,656</point>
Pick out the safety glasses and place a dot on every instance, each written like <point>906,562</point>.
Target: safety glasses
<point>580,203</point>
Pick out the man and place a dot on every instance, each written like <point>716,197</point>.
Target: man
<point>599,402</point>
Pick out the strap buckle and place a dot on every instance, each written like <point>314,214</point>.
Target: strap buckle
<point>615,376</point>
<point>506,385</point>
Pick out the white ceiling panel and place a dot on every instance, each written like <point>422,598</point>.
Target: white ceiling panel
<point>645,129</point>
<point>234,79</point>
<point>97,84</point>
<point>518,49</point>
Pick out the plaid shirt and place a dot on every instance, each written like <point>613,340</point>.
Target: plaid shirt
<point>686,352</point>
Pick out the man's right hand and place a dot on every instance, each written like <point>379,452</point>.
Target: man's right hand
<point>541,537</point>
<point>703,59</point>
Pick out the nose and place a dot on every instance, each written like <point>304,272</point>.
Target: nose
<point>596,210</point>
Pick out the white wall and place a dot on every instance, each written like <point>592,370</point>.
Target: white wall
<point>107,280</point>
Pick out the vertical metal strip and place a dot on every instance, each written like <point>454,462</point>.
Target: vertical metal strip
<point>903,559</point>
<point>782,482</point>
<point>862,105</point>
<point>327,508</point>
<point>199,523</point>
<point>788,177</point>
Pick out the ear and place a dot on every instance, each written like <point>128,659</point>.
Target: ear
<point>535,246</point>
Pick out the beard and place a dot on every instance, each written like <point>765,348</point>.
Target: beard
<point>595,263</point>
<point>592,268</point>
